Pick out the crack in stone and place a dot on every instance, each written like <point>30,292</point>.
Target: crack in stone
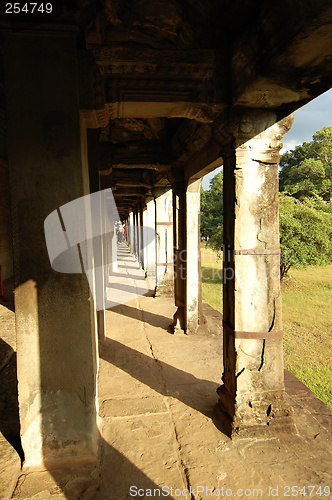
<point>260,231</point>
<point>182,468</point>
<point>262,357</point>
<point>274,315</point>
<point>267,163</point>
<point>151,348</point>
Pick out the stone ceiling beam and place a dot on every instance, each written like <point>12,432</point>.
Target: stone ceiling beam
<point>290,63</point>
<point>149,83</point>
<point>204,161</point>
<point>142,166</point>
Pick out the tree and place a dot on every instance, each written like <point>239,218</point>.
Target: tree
<point>212,207</point>
<point>305,232</point>
<point>307,170</point>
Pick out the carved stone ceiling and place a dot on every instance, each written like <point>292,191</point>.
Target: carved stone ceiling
<point>143,152</point>
<point>172,71</point>
<point>158,24</point>
<point>160,80</point>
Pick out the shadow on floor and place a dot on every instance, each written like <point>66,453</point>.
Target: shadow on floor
<point>152,319</point>
<point>119,275</point>
<point>199,394</point>
<point>127,266</point>
<point>134,289</point>
<point>122,474</point>
<point>9,412</point>
<point>119,479</point>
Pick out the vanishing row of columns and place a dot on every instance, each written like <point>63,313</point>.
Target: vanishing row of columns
<point>160,235</point>
<point>56,320</point>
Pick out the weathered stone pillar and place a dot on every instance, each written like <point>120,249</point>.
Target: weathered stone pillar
<point>164,243</point>
<point>131,232</point>
<point>141,238</point>
<point>252,396</point>
<point>136,233</point>
<point>100,244</point>
<point>6,250</point>
<point>180,252</point>
<point>56,334</point>
<point>112,242</point>
<point>193,204</point>
<point>127,231</point>
<point>149,220</point>
<point>186,209</point>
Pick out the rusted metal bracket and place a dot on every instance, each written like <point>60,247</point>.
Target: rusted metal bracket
<point>263,251</point>
<point>253,335</point>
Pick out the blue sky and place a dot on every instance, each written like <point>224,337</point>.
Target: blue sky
<point>312,117</point>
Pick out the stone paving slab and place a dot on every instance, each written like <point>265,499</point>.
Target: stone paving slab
<point>151,442</point>
<point>112,408</point>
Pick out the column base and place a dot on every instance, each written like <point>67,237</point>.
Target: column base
<point>165,289</point>
<point>179,321</point>
<point>192,325</point>
<point>253,415</point>
<point>78,478</point>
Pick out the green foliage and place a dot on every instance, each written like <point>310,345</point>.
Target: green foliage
<point>212,207</point>
<point>307,170</point>
<point>305,232</point>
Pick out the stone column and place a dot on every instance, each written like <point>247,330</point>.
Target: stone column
<point>131,232</point>
<point>100,244</point>
<point>144,239</point>
<point>6,251</point>
<point>192,296</point>
<point>112,242</point>
<point>127,231</point>
<point>180,253</point>
<point>136,234</point>
<point>186,236</point>
<point>164,243</point>
<point>252,394</point>
<point>55,322</point>
<point>149,219</point>
<point>141,238</point>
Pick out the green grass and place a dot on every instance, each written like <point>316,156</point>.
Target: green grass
<point>307,320</point>
<point>211,278</point>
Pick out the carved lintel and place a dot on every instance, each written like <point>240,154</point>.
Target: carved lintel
<point>105,55</point>
<point>97,118</point>
<point>237,126</point>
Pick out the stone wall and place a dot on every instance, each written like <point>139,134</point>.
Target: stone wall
<point>6,252</point>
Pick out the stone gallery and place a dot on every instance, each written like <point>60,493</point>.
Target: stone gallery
<point>139,100</point>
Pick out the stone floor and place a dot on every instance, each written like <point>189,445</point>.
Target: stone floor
<point>157,392</point>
